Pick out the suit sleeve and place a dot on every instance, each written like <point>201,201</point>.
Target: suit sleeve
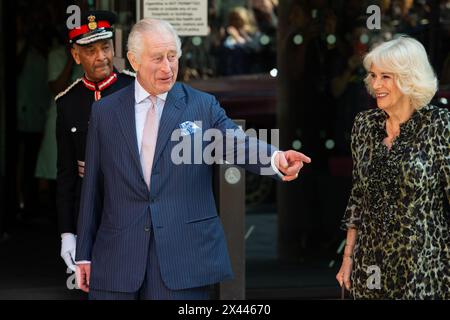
<point>247,151</point>
<point>90,205</point>
<point>67,175</point>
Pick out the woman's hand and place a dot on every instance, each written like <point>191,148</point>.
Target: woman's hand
<point>234,33</point>
<point>343,276</point>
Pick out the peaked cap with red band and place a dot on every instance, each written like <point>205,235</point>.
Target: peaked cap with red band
<point>95,26</point>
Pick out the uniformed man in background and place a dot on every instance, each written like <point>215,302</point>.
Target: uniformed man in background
<point>92,47</point>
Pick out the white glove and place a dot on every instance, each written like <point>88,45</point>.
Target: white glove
<point>68,246</point>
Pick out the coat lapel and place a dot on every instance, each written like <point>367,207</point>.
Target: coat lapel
<point>172,111</point>
<point>127,119</point>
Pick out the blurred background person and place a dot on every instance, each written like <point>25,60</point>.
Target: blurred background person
<point>62,71</point>
<point>347,85</point>
<point>32,98</point>
<point>265,13</point>
<point>240,44</point>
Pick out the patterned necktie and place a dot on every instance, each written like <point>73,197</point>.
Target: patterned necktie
<point>149,136</point>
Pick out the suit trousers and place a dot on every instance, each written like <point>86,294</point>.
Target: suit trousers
<point>153,287</point>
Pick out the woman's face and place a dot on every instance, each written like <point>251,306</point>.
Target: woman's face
<point>385,89</point>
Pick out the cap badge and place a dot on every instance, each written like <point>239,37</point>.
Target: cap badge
<point>92,25</point>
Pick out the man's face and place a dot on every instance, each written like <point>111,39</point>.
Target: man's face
<point>157,66</point>
<point>96,59</point>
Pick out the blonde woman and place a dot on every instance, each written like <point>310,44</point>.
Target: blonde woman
<point>397,218</point>
<point>241,26</point>
<point>240,46</point>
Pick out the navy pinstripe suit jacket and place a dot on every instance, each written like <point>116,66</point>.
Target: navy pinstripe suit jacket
<point>114,224</point>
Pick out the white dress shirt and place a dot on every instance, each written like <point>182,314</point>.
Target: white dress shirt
<point>141,106</point>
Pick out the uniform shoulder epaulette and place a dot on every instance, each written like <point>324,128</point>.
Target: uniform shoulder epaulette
<point>129,73</point>
<point>67,89</point>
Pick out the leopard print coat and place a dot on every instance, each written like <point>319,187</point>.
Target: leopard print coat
<point>400,205</point>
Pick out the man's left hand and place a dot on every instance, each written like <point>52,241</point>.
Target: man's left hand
<point>289,163</point>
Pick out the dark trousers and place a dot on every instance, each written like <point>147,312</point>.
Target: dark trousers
<point>153,287</point>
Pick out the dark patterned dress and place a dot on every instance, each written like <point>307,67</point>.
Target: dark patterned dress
<point>400,205</point>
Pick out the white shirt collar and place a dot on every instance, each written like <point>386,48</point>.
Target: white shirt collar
<point>140,94</point>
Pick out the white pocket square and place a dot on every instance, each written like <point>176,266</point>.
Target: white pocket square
<point>188,128</point>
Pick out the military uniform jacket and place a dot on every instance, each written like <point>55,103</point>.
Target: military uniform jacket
<point>73,112</point>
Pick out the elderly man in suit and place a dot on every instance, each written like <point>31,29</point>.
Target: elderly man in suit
<point>155,233</point>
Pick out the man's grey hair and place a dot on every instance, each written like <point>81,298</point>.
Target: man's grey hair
<point>151,26</point>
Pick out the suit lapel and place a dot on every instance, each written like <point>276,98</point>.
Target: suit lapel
<point>172,111</point>
<point>127,119</point>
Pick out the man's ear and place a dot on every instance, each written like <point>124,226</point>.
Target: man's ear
<point>133,61</point>
<point>75,54</point>
<point>111,43</point>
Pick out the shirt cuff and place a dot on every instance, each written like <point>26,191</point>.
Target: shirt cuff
<point>82,262</point>
<point>274,167</point>
<point>68,235</point>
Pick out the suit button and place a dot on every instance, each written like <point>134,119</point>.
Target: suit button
<point>147,229</point>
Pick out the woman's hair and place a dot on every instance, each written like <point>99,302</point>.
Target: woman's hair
<point>407,59</point>
<point>240,17</point>
<point>150,26</point>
